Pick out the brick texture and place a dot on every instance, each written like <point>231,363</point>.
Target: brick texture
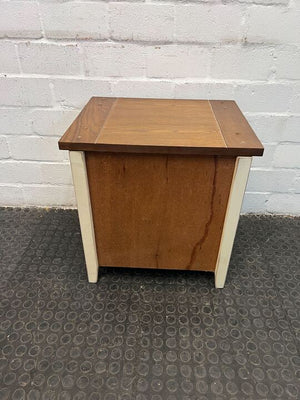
<point>206,23</point>
<point>142,22</point>
<point>20,19</point>
<point>49,59</point>
<point>55,55</point>
<point>75,20</point>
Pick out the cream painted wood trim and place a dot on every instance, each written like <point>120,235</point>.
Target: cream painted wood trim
<point>238,186</point>
<point>80,180</point>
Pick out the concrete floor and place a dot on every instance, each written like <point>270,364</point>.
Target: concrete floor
<point>146,334</point>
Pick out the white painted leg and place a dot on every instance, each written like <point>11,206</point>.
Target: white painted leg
<point>80,180</point>
<point>235,200</point>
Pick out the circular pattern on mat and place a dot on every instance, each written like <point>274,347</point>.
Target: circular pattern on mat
<point>142,334</point>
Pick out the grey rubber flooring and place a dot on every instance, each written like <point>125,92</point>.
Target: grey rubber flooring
<point>146,334</point>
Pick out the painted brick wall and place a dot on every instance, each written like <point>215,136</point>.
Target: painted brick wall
<point>54,55</point>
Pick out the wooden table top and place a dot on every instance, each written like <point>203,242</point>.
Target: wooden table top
<point>208,127</point>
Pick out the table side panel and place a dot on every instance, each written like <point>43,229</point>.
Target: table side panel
<point>158,211</point>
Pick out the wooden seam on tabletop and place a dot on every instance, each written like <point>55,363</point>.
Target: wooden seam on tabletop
<point>85,128</point>
<point>235,129</point>
<point>217,122</point>
<point>106,118</point>
<point>162,126</point>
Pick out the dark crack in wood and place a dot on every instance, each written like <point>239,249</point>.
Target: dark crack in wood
<point>197,247</point>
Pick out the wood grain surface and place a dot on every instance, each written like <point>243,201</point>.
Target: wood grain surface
<point>86,128</point>
<point>186,123</point>
<point>162,127</point>
<point>158,211</point>
<point>236,131</point>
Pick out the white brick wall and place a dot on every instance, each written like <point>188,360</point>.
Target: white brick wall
<point>54,55</point>
<point>50,59</point>
<point>141,22</point>
<point>171,61</point>
<point>20,20</point>
<point>114,59</point>
<point>209,23</point>
<point>74,20</point>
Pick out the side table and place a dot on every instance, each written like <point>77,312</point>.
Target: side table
<point>160,183</point>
